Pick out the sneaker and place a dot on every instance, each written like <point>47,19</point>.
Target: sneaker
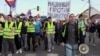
<point>17,52</point>
<point>20,50</point>
<point>49,50</point>
<point>52,47</point>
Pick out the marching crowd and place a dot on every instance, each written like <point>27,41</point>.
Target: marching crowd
<point>21,33</point>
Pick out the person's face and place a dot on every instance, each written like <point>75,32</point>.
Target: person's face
<point>81,18</point>
<point>72,18</point>
<point>9,18</point>
<point>93,20</point>
<point>49,20</point>
<point>17,19</point>
<point>35,18</point>
<point>89,21</point>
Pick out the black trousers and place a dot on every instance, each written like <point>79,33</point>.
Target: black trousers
<point>8,43</point>
<point>1,37</point>
<point>81,38</point>
<point>45,40</point>
<point>17,42</point>
<point>55,39</point>
<point>58,38</point>
<point>29,36</point>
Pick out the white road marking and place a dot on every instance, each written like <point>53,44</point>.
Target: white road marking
<point>52,54</point>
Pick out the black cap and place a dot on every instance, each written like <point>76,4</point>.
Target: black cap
<point>18,17</point>
<point>49,17</point>
<point>30,17</point>
<point>10,15</point>
<point>80,15</point>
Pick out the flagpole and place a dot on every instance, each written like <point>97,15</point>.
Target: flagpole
<point>10,12</point>
<point>5,9</point>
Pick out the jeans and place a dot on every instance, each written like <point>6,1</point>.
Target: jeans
<point>70,49</point>
<point>92,37</point>
<point>50,38</point>
<point>24,40</point>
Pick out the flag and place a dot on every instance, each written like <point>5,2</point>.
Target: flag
<point>11,3</point>
<point>29,13</point>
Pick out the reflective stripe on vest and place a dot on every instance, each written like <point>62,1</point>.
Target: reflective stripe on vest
<point>18,29</point>
<point>1,31</point>
<point>50,28</point>
<point>30,27</point>
<point>7,30</point>
<point>81,25</point>
<point>63,33</point>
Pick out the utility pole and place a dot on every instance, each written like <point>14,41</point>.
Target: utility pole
<point>89,8</point>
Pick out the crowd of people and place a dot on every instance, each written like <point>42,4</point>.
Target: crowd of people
<point>21,33</point>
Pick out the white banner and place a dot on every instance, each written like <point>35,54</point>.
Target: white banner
<point>59,10</point>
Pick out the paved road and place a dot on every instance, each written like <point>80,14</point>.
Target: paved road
<point>60,51</point>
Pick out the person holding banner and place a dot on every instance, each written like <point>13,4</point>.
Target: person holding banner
<point>8,36</point>
<point>71,36</point>
<point>50,32</point>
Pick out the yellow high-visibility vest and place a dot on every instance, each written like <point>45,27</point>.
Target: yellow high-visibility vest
<point>81,27</point>
<point>18,29</point>
<point>30,27</point>
<point>1,31</point>
<point>63,33</point>
<point>50,28</point>
<point>7,30</point>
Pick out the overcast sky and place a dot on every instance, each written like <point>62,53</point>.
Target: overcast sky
<point>77,6</point>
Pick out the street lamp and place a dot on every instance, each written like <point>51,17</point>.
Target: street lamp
<point>37,8</point>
